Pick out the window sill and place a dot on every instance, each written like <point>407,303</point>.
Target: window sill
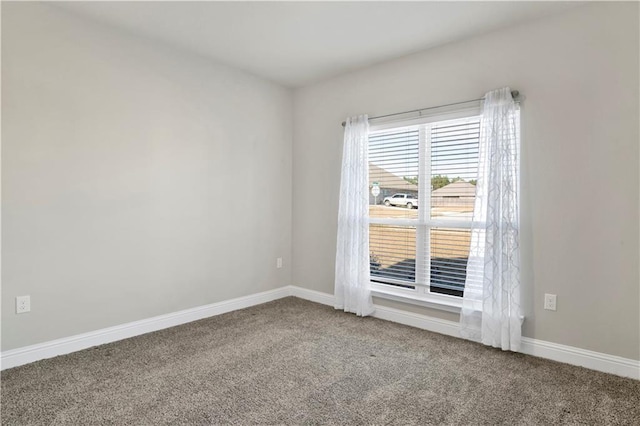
<point>432,301</point>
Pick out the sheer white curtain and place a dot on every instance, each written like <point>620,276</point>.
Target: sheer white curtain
<point>352,286</point>
<point>491,311</point>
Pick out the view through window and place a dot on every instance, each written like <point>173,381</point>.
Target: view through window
<point>421,196</point>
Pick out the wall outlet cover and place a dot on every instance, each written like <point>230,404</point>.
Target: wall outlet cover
<point>23,304</point>
<point>550,302</point>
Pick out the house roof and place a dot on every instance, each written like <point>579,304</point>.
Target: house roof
<point>456,189</point>
<point>387,179</point>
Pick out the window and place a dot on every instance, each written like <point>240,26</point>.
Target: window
<point>420,242</point>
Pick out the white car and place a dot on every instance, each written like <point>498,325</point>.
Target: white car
<point>405,200</point>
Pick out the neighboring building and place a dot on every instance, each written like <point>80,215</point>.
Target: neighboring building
<point>458,193</point>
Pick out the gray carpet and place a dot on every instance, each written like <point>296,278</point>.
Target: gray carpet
<point>297,362</point>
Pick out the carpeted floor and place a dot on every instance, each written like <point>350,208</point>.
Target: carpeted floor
<point>297,362</point>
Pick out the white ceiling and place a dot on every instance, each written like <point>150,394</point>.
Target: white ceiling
<point>297,43</point>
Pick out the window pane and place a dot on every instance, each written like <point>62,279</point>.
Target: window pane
<point>449,255</point>
<point>393,254</point>
<point>454,168</point>
<point>393,173</point>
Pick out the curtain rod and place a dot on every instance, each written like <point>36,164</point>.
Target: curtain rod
<point>514,95</point>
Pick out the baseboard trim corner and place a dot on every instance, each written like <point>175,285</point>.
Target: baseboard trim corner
<point>312,295</point>
<point>25,355</point>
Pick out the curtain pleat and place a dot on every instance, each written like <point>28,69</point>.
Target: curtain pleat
<point>491,312</point>
<point>352,281</point>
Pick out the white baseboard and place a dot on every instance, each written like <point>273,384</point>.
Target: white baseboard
<point>582,357</point>
<point>562,353</point>
<point>27,354</point>
<point>390,314</point>
<point>424,322</point>
<point>312,295</point>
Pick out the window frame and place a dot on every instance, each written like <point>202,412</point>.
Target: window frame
<point>421,294</point>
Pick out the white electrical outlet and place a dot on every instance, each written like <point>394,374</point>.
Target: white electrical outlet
<point>23,304</point>
<point>550,302</point>
<point>279,263</point>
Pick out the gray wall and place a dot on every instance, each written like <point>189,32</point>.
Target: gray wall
<point>579,74</point>
<point>119,153</point>
<point>136,180</point>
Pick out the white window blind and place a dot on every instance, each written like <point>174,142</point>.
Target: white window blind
<point>431,168</point>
